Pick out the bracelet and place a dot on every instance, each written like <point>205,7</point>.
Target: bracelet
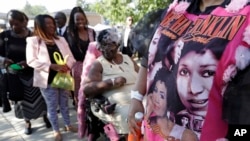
<point>136,95</point>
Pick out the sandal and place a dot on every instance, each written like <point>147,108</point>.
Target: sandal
<point>71,129</point>
<point>58,136</point>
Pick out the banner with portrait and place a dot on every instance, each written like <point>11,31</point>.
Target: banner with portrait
<point>190,63</point>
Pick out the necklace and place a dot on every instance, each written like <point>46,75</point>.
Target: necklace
<point>114,62</point>
<point>156,129</point>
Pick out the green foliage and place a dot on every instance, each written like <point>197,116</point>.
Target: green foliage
<point>34,10</point>
<point>116,11</point>
<point>82,3</point>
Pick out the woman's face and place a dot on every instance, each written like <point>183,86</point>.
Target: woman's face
<point>159,98</point>
<point>109,51</point>
<point>194,80</point>
<point>184,120</point>
<point>80,20</point>
<point>50,26</point>
<point>153,47</point>
<point>16,25</point>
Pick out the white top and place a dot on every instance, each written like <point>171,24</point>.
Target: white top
<point>126,34</point>
<point>121,95</point>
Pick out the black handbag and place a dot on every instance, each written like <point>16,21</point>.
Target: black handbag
<point>15,88</point>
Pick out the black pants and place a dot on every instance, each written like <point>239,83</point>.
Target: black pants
<point>4,101</point>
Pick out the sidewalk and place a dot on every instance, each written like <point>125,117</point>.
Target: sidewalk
<point>12,129</point>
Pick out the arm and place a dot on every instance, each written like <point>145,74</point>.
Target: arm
<point>32,51</point>
<point>93,81</point>
<point>189,135</point>
<point>70,60</point>
<point>135,66</point>
<point>94,85</point>
<point>136,105</point>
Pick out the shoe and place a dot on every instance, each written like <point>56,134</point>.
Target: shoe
<point>27,129</point>
<point>58,136</point>
<point>6,109</point>
<point>71,129</point>
<point>46,121</point>
<point>6,106</point>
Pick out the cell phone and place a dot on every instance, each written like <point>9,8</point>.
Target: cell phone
<point>110,131</point>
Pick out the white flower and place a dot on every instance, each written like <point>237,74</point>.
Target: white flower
<point>242,57</point>
<point>235,5</point>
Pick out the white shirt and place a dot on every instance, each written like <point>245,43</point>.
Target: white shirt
<point>63,29</point>
<point>126,34</point>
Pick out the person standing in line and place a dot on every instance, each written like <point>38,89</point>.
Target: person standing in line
<point>61,21</point>
<point>112,76</point>
<point>127,47</point>
<point>39,54</point>
<point>79,36</point>
<point>61,30</point>
<point>33,105</point>
<point>190,21</point>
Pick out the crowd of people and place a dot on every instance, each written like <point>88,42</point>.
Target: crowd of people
<point>194,59</point>
<point>38,53</point>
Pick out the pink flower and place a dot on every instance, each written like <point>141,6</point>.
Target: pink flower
<point>242,57</point>
<point>222,139</point>
<point>224,87</point>
<point>172,5</point>
<point>246,35</point>
<point>229,73</point>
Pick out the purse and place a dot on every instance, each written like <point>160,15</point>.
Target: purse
<point>15,88</point>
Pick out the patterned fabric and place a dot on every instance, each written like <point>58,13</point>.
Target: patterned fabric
<point>54,97</point>
<point>33,105</point>
<point>76,73</point>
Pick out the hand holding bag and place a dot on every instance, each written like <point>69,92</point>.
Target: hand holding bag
<point>62,80</point>
<point>13,86</point>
